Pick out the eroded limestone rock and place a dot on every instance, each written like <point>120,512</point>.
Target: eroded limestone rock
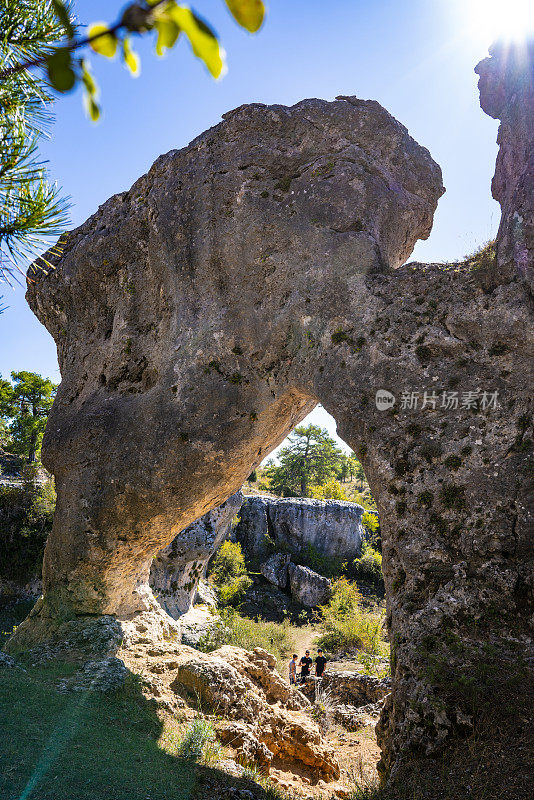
<point>349,688</point>
<point>266,715</point>
<point>308,587</point>
<point>306,211</point>
<point>332,528</point>
<point>295,206</point>
<point>176,570</point>
<point>275,569</point>
<point>506,88</point>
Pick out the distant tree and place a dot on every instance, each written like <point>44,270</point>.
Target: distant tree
<point>311,457</point>
<point>343,470</point>
<point>355,469</point>
<point>24,409</point>
<point>330,490</point>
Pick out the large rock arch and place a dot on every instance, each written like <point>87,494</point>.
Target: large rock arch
<point>202,314</point>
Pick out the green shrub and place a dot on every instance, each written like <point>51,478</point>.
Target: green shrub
<point>229,574</point>
<point>309,556</point>
<point>233,591</point>
<point>26,517</point>
<point>198,743</point>
<point>371,524</point>
<point>330,490</point>
<point>347,626</point>
<point>368,568</point>
<point>228,563</point>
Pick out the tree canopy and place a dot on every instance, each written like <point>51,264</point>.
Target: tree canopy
<point>24,408</point>
<point>310,457</point>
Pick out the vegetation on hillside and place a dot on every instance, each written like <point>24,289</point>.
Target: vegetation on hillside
<point>229,574</point>
<point>26,517</point>
<point>239,630</point>
<point>349,627</point>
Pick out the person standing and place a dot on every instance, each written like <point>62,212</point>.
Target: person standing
<point>320,663</point>
<point>293,670</point>
<point>305,666</point>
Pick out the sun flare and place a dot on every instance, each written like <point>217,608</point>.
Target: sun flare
<point>502,19</point>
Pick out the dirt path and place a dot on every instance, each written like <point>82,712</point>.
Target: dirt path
<point>305,639</point>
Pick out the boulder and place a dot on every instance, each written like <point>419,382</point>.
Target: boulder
<point>200,624</point>
<point>275,569</point>
<point>177,569</point>
<point>308,587</point>
<point>206,594</point>
<point>252,527</point>
<point>349,688</point>
<point>105,675</point>
<point>354,717</point>
<point>332,528</point>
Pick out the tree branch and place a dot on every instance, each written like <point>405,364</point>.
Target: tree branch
<point>73,45</point>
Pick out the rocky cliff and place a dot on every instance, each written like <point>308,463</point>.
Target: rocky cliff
<point>177,569</point>
<point>309,212</point>
<point>333,528</point>
<point>506,88</point>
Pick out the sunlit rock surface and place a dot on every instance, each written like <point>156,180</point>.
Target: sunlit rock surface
<point>331,528</point>
<point>177,569</point>
<point>202,314</point>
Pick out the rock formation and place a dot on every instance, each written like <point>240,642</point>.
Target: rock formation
<point>332,528</point>
<point>308,587</point>
<point>506,88</point>
<point>349,688</point>
<point>177,569</point>
<point>275,569</point>
<point>258,714</point>
<point>202,314</point>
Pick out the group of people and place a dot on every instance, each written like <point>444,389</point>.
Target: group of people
<point>305,665</point>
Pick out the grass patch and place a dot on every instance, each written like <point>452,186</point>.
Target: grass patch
<point>83,745</point>
<point>276,637</point>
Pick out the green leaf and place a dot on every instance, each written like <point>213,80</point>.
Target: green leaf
<point>91,91</point>
<point>59,70</point>
<point>168,33</point>
<point>92,108</point>
<point>248,13</point>
<point>106,44</point>
<point>203,40</point>
<point>63,16</point>
<point>130,57</point>
<point>88,79</point>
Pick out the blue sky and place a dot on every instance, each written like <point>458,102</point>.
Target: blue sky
<point>416,57</point>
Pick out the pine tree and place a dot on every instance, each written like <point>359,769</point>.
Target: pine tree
<point>310,457</point>
<point>32,210</point>
<point>24,409</point>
